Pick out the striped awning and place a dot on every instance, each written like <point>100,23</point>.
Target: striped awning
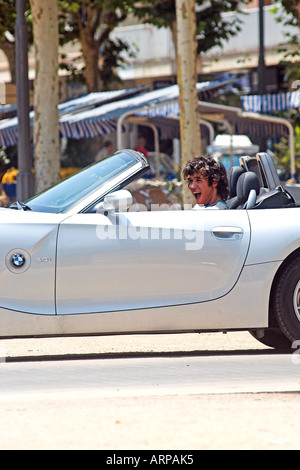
<point>92,100</point>
<point>7,111</point>
<point>9,134</point>
<point>272,102</point>
<point>252,124</point>
<point>9,127</point>
<point>72,129</point>
<point>163,102</point>
<point>205,91</point>
<point>97,113</point>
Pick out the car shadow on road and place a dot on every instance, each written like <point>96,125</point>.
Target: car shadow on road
<point>146,354</point>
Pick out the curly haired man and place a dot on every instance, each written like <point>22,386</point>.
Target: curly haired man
<point>207,181</point>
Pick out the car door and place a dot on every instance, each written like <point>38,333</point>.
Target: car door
<point>139,260</point>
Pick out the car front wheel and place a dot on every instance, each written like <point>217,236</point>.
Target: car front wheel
<point>286,300</point>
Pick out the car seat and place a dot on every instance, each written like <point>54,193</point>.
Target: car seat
<point>263,166</point>
<point>260,190</point>
<point>248,188</point>
<point>233,175</point>
<point>268,170</point>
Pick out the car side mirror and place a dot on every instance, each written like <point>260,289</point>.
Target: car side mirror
<point>118,201</point>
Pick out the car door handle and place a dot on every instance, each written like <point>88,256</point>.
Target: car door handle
<point>228,233</point>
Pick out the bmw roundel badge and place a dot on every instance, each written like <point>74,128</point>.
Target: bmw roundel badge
<point>18,260</point>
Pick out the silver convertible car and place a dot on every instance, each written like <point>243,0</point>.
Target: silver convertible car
<point>81,259</point>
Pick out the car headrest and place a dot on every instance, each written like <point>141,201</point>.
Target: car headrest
<point>233,175</point>
<point>246,182</point>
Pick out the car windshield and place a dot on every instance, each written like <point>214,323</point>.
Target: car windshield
<point>72,190</point>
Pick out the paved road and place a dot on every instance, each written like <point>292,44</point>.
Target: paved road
<point>148,376</point>
<point>167,392</point>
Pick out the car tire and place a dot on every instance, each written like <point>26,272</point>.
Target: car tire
<point>286,300</point>
<point>274,339</point>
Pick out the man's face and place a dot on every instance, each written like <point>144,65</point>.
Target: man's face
<point>202,192</point>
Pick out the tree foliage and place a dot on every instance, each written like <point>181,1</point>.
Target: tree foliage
<point>91,22</point>
<point>282,154</point>
<point>290,49</point>
<point>211,27</point>
<point>8,16</point>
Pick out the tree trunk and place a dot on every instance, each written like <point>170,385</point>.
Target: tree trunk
<point>46,132</point>
<point>90,54</point>
<point>297,9</point>
<point>90,45</point>
<point>187,79</point>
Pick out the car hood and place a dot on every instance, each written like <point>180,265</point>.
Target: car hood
<point>11,216</point>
